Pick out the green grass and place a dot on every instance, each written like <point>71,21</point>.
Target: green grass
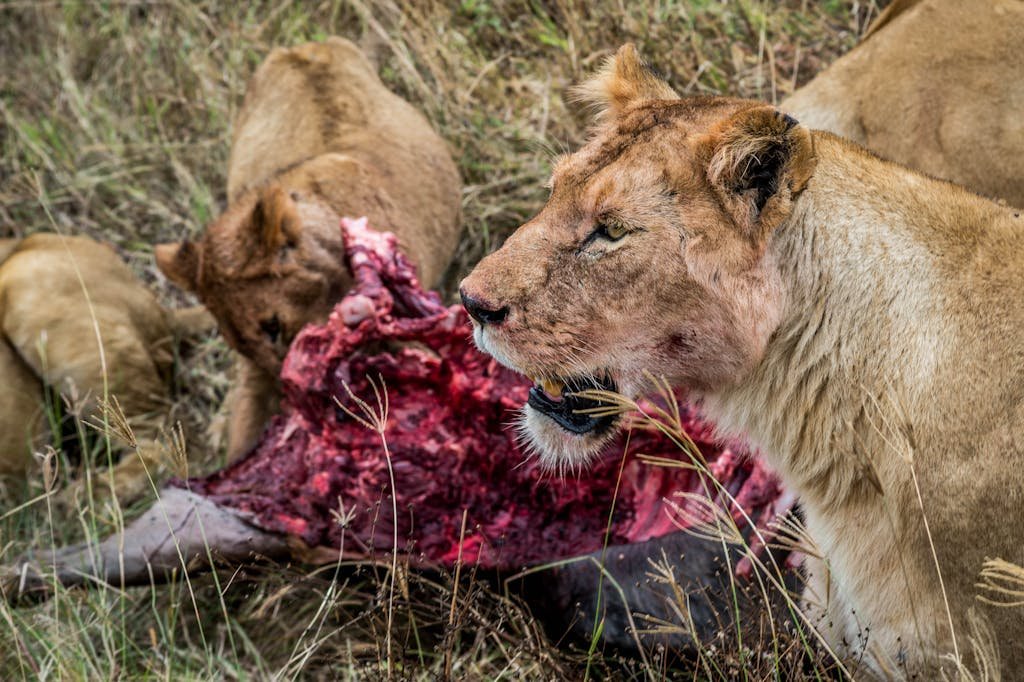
<point>115,123</point>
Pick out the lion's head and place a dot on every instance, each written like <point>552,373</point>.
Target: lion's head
<point>267,267</point>
<point>649,256</point>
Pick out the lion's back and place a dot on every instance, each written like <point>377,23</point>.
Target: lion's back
<point>59,293</point>
<point>320,98</point>
<point>936,86</point>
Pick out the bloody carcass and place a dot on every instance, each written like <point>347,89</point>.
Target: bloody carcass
<point>397,435</point>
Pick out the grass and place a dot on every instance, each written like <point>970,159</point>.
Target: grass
<point>115,123</point>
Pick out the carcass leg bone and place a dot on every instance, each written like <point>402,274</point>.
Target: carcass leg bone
<point>180,532</point>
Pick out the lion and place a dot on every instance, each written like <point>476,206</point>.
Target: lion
<point>74,318</point>
<point>837,310</point>
<point>935,85</point>
<point>318,137</point>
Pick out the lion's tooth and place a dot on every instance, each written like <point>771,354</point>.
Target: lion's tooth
<point>553,388</point>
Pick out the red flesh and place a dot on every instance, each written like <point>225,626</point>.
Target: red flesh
<point>451,446</point>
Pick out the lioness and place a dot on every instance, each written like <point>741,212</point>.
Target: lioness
<point>937,85</point>
<point>318,137</point>
<point>75,318</point>
<point>857,321</point>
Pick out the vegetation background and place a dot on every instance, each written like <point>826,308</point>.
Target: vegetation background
<point>115,121</point>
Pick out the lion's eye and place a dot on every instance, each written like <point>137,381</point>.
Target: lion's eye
<point>611,231</point>
<point>272,328</point>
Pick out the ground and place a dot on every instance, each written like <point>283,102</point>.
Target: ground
<point>115,122</point>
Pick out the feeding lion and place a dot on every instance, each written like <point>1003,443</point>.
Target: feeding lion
<point>318,137</point>
<point>837,310</point>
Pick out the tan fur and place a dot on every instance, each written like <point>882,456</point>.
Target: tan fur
<point>20,406</point>
<point>619,82</point>
<point>21,414</point>
<point>937,85</point>
<point>860,323</point>
<point>56,295</point>
<point>318,137</point>
<point>891,11</point>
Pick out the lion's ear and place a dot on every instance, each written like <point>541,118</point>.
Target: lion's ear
<point>179,261</point>
<point>758,160</point>
<point>274,218</point>
<point>622,80</point>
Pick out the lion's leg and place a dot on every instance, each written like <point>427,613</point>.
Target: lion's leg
<point>132,477</point>
<point>144,464</point>
<point>182,531</point>
<point>188,323</point>
<point>252,401</point>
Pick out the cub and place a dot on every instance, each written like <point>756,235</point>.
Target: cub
<point>75,318</point>
<point>318,137</point>
<point>858,322</point>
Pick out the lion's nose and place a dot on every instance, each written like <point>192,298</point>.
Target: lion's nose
<point>481,311</point>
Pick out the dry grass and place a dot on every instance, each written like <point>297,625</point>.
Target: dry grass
<point>115,122</point>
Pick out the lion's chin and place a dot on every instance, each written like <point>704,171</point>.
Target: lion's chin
<point>565,421</point>
<point>559,449</point>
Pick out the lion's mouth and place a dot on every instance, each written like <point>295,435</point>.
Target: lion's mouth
<point>559,400</point>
